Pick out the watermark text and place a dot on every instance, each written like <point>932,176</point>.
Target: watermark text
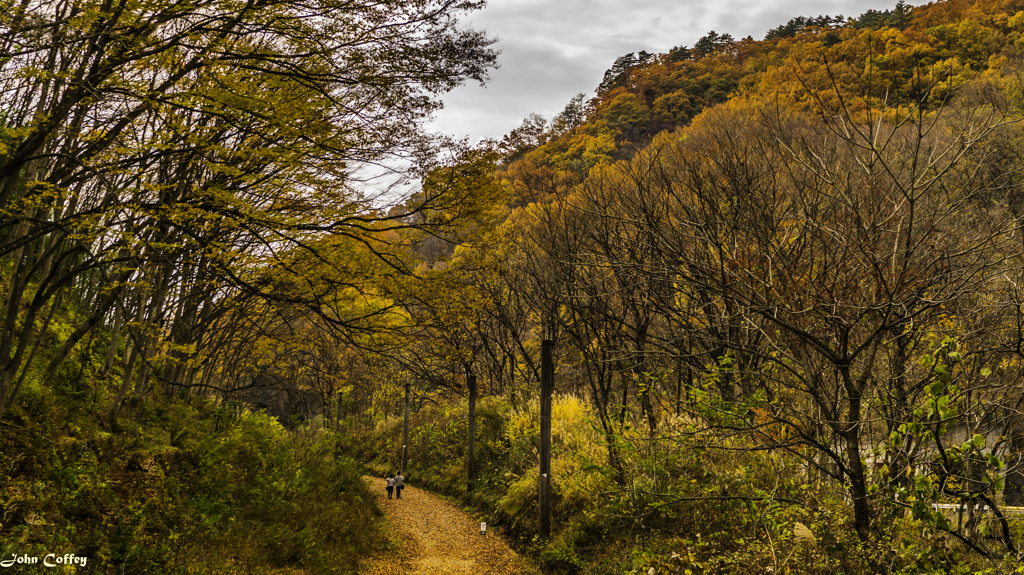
<point>48,560</point>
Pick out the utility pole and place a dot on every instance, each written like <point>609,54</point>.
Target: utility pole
<point>337,418</point>
<point>547,382</point>
<point>405,430</point>
<point>471,439</point>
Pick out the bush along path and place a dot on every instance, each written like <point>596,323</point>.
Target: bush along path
<point>430,536</point>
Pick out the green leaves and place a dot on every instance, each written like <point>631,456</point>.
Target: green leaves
<point>978,441</point>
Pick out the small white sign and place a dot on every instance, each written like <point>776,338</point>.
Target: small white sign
<point>483,529</point>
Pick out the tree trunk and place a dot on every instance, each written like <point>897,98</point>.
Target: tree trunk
<point>17,358</point>
<point>114,336</point>
<point>83,328</point>
<point>132,351</point>
<point>18,283</point>
<point>855,467</point>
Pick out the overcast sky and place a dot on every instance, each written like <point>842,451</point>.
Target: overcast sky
<point>553,49</point>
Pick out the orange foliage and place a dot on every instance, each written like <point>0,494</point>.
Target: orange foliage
<point>942,46</point>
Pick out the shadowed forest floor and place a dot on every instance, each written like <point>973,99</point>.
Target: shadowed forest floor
<point>433,537</point>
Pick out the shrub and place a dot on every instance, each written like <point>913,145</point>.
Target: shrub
<point>166,494</point>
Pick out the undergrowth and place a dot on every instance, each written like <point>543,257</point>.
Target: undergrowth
<point>679,505</point>
<point>176,488</point>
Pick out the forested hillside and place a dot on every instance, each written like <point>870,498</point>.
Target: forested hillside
<point>779,279</point>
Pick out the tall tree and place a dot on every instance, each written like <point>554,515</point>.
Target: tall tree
<point>214,128</point>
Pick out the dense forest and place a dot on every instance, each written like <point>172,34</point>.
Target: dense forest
<point>780,281</point>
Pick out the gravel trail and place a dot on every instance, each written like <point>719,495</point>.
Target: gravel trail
<point>436,538</point>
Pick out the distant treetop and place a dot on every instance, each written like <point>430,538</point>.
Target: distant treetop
<point>801,23</point>
<point>898,17</point>
<point>712,43</point>
<point>622,63</point>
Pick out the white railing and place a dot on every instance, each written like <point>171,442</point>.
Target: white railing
<point>957,506</point>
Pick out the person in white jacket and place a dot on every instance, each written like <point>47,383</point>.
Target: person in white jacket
<point>391,485</point>
<point>399,485</point>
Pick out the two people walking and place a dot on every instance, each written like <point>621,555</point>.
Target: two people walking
<point>395,484</point>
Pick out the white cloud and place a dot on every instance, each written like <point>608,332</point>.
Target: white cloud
<point>553,49</point>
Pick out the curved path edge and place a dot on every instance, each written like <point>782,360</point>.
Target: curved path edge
<point>433,537</point>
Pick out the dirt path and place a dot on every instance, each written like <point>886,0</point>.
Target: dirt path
<point>433,537</point>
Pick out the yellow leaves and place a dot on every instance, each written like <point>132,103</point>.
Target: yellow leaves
<point>599,150</point>
<point>976,40</point>
<point>592,149</point>
<point>1016,22</point>
<point>624,111</point>
<point>892,38</point>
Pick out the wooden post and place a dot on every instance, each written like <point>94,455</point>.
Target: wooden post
<point>337,416</point>
<point>405,430</point>
<point>471,436</point>
<point>547,381</point>
<point>337,428</point>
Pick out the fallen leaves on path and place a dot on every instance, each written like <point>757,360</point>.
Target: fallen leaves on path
<point>434,537</point>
